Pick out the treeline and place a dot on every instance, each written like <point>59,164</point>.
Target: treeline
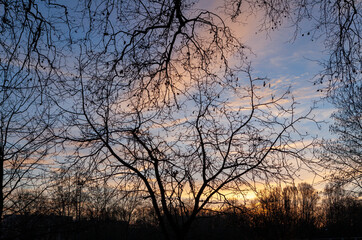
<point>102,212</point>
<point>300,212</point>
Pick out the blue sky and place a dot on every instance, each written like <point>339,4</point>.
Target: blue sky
<point>287,61</point>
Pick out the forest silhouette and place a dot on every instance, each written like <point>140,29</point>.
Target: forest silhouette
<point>289,212</point>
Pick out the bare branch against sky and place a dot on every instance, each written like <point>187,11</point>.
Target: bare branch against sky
<point>163,96</point>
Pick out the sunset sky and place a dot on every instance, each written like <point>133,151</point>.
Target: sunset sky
<point>287,61</point>
<point>284,60</point>
<point>172,116</point>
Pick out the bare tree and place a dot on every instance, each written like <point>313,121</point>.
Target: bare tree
<point>343,156</point>
<point>202,145</point>
<point>290,197</point>
<point>161,92</point>
<point>341,210</point>
<point>289,212</point>
<point>308,203</point>
<point>338,23</point>
<point>25,53</point>
<point>29,202</point>
<point>62,192</point>
<point>112,199</point>
<point>166,95</point>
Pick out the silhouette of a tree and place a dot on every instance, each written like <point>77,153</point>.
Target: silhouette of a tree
<point>308,204</point>
<point>289,212</point>
<point>342,211</point>
<point>165,93</point>
<point>27,56</point>
<point>338,23</point>
<point>343,156</point>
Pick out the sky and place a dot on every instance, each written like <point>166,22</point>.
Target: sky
<point>287,62</point>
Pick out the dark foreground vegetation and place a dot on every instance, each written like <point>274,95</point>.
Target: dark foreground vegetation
<point>291,212</point>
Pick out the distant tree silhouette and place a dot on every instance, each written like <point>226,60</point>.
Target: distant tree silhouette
<point>308,211</point>
<point>289,212</point>
<point>342,212</point>
<point>25,202</point>
<point>64,192</point>
<point>290,203</point>
<point>337,214</point>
